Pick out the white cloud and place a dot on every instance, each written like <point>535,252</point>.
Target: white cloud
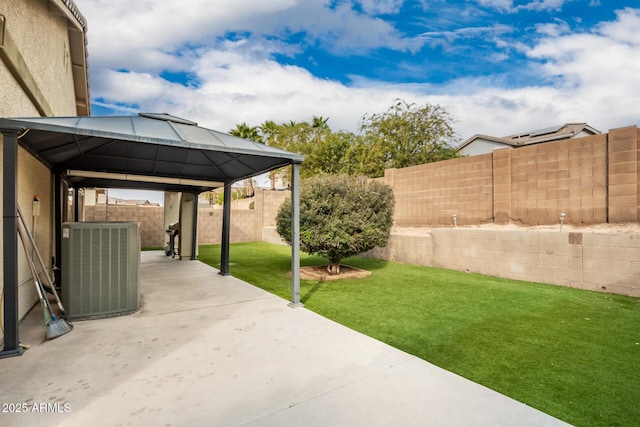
<point>553,29</point>
<point>592,76</point>
<point>343,29</point>
<point>375,7</point>
<point>594,81</point>
<point>543,5</point>
<point>448,39</point>
<point>149,35</point>
<point>136,88</point>
<point>536,5</point>
<point>625,29</point>
<point>498,4</point>
<point>599,60</point>
<point>236,88</point>
<point>145,35</point>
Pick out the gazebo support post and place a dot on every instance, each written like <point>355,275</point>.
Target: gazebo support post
<point>194,231</point>
<point>295,236</point>
<point>58,219</point>
<point>76,204</point>
<point>10,243</point>
<point>226,228</point>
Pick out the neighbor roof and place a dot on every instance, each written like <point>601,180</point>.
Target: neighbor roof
<point>150,151</point>
<point>565,131</point>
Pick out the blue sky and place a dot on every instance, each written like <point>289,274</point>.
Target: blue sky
<point>499,66</point>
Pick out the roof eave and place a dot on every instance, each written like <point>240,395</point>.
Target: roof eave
<point>70,10</point>
<point>80,71</point>
<point>485,137</point>
<point>77,29</point>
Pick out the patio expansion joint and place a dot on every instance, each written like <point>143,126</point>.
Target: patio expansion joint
<point>151,313</point>
<point>331,390</point>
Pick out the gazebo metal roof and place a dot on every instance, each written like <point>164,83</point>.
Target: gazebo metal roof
<point>148,151</point>
<point>125,151</point>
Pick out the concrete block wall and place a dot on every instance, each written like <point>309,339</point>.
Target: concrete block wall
<point>502,199</point>
<point>592,180</point>
<point>210,225</point>
<point>270,235</point>
<point>409,248</point>
<point>266,206</point>
<point>611,263</point>
<point>605,262</point>
<point>567,176</point>
<point>267,203</point>
<point>243,226</point>
<point>431,194</point>
<point>520,255</point>
<point>624,175</point>
<point>150,219</point>
<point>247,225</point>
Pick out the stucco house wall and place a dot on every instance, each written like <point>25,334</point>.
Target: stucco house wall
<point>41,35</point>
<point>13,101</point>
<point>480,146</point>
<point>37,33</point>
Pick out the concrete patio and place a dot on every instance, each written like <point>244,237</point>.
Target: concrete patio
<point>207,350</point>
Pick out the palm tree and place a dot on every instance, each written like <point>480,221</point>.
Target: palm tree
<point>319,128</point>
<point>319,122</point>
<point>270,133</point>
<point>243,130</point>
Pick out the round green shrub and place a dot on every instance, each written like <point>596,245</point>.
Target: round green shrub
<point>340,216</point>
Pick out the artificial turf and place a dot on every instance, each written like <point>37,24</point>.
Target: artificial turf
<point>571,353</point>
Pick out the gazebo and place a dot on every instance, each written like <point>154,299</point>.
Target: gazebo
<point>148,151</point>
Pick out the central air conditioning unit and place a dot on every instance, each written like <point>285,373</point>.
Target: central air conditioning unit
<point>100,268</point>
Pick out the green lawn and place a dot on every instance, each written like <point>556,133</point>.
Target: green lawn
<point>573,354</point>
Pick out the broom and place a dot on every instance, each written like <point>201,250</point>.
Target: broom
<point>41,262</point>
<point>55,327</point>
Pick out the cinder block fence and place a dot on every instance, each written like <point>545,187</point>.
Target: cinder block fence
<point>592,180</point>
<point>606,262</point>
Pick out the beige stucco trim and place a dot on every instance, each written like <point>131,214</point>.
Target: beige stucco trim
<point>10,55</point>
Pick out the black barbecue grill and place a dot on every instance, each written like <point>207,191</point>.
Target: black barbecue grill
<point>173,230</point>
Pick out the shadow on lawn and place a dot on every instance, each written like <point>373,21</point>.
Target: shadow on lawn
<point>365,263</point>
<point>369,264</point>
<point>307,296</point>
